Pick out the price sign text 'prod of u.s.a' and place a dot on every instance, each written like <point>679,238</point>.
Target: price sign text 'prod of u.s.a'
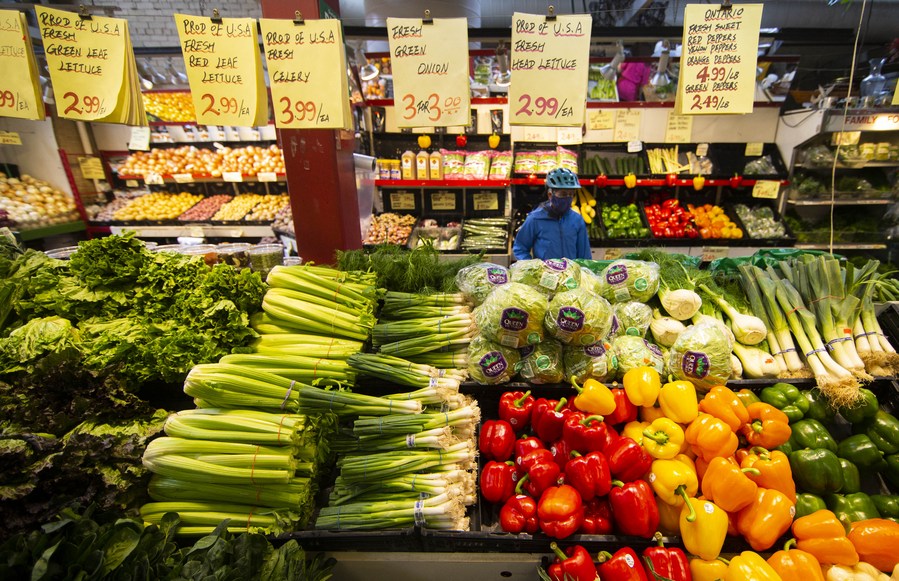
<point>549,60</point>
<point>430,71</point>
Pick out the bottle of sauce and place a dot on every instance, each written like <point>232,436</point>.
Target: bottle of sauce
<point>407,164</point>
<point>421,165</point>
<point>435,162</point>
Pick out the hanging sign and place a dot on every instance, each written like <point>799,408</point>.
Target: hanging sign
<point>92,67</point>
<point>429,60</point>
<point>224,69</point>
<point>679,128</point>
<point>20,87</point>
<point>550,60</point>
<point>718,59</point>
<point>307,73</point>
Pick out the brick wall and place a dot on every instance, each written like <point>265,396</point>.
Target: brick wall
<point>152,25</point>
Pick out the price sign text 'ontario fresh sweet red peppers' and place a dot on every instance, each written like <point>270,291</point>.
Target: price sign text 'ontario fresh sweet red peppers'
<point>718,59</point>
<point>549,60</point>
<point>430,71</point>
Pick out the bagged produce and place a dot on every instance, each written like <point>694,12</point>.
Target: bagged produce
<point>632,318</point>
<point>478,280</point>
<point>547,276</point>
<point>542,363</point>
<point>630,280</point>
<point>578,317</point>
<point>631,352</point>
<point>595,361</point>
<point>490,363</point>
<point>512,315</point>
<point>701,355</point>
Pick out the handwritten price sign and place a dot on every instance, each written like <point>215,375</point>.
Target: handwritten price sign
<point>83,105</point>
<point>430,71</point>
<point>306,66</point>
<point>549,61</point>
<point>21,95</point>
<point>717,68</point>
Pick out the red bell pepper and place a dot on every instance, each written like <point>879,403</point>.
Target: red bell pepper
<point>585,433</point>
<point>515,407</point>
<point>627,459</point>
<point>589,475</point>
<point>625,411</point>
<point>597,517</point>
<point>574,564</point>
<point>497,440</point>
<point>498,481</point>
<point>624,565</point>
<point>561,451</point>
<point>541,472</point>
<point>634,508</point>
<point>519,514</point>
<point>548,417</point>
<point>669,563</point>
<point>560,511</point>
<point>522,447</point>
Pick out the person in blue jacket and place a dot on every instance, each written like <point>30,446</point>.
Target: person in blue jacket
<point>553,229</point>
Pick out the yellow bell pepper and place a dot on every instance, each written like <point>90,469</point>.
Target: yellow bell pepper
<point>642,385</point>
<point>669,519</point>
<point>594,398</point>
<point>673,481</point>
<point>651,413</point>
<point>678,401</point>
<point>663,439</point>
<point>749,566</point>
<point>703,527</point>
<point>688,461</point>
<point>703,570</point>
<point>634,430</point>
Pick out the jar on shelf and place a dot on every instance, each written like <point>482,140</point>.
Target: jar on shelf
<point>264,257</point>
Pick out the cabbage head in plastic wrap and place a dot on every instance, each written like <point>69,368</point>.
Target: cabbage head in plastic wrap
<point>630,280</point>
<point>512,315</point>
<point>548,276</point>
<point>595,361</point>
<point>578,317</point>
<point>632,352</point>
<point>631,318</point>
<point>478,280</point>
<point>490,363</point>
<point>542,363</point>
<point>590,281</point>
<point>701,355</point>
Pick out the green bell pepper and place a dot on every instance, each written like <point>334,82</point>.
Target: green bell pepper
<point>818,406</point>
<point>883,429</point>
<point>816,471</point>
<point>787,398</point>
<point>786,447</point>
<point>852,480</point>
<point>863,410</point>
<point>860,450</point>
<point>811,434</point>
<point>807,504</point>
<point>850,508</point>
<point>891,471</point>
<point>887,505</point>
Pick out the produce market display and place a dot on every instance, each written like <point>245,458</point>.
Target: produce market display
<point>28,202</point>
<point>199,162</point>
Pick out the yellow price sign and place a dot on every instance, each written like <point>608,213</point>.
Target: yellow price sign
<point>443,201</point>
<point>91,168</point>
<point>766,189</point>
<point>484,201</point>
<point>10,138</point>
<point>612,254</point>
<point>600,119</point>
<point>402,201</point>
<point>627,125</point>
<point>754,149</point>
<point>710,253</point>
<point>679,128</point>
<point>224,69</point>
<point>20,88</point>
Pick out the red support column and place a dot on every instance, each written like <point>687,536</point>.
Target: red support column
<point>321,178</point>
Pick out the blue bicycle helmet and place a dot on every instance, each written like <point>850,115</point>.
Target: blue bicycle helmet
<point>562,179</point>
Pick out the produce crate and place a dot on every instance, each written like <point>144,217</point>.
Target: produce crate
<point>445,239</point>
<point>617,158</point>
<point>730,159</point>
<point>497,250</point>
<point>701,198</point>
<point>682,150</point>
<point>788,240</point>
<point>686,241</point>
<point>622,198</point>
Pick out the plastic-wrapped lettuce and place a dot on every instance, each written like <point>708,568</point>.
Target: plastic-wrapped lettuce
<point>591,281</point>
<point>542,363</point>
<point>630,280</point>
<point>490,363</point>
<point>633,352</point>
<point>512,315</point>
<point>701,355</point>
<point>595,361</point>
<point>578,317</point>
<point>631,318</point>
<point>476,281</point>
<point>548,276</point>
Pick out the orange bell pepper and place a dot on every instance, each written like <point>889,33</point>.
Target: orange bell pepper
<point>767,426</point>
<point>766,519</point>
<point>710,437</point>
<point>823,535</point>
<point>877,542</point>
<point>701,467</point>
<point>795,564</point>
<point>724,404</point>
<point>669,518</point>
<point>774,471</point>
<point>726,484</point>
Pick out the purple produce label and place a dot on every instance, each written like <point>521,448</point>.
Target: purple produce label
<point>595,350</point>
<point>615,324</point>
<point>514,319</point>
<point>570,319</point>
<point>559,264</point>
<point>527,350</point>
<point>497,275</point>
<point>617,274</point>
<point>654,348</point>
<point>696,364</point>
<point>493,364</point>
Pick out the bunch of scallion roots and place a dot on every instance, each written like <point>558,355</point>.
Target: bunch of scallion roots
<point>255,468</point>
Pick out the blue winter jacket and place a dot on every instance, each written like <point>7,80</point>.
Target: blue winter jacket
<point>546,236</point>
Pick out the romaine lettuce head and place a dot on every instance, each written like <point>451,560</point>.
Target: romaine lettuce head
<point>542,363</point>
<point>632,318</point>
<point>512,315</point>
<point>578,317</point>
<point>630,280</point>
<point>634,352</point>
<point>476,281</point>
<point>490,363</point>
<point>595,361</point>
<point>548,276</point>
<point>701,355</point>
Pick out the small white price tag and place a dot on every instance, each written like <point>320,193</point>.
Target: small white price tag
<point>235,233</point>
<point>754,149</point>
<point>634,146</point>
<point>131,183</point>
<point>702,150</point>
<point>140,139</point>
<point>767,189</point>
<point>153,179</point>
<point>267,176</point>
<point>569,136</point>
<point>710,253</point>
<point>232,176</point>
<point>197,232</point>
<point>183,178</point>
<point>612,254</point>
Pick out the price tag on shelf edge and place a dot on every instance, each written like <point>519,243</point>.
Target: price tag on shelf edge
<point>232,176</point>
<point>267,176</point>
<point>140,139</point>
<point>484,201</point>
<point>430,71</point>
<point>627,125</point>
<point>132,183</point>
<point>197,232</point>
<point>702,149</point>
<point>599,119</point>
<point>569,136</point>
<point>183,178</point>
<point>766,189</point>
<point>10,138</point>
<point>754,149</point>
<point>402,201</point>
<point>679,128</point>
<point>549,61</point>
<point>635,146</point>
<point>710,253</point>
<point>719,57</point>
<point>612,254</point>
<point>153,179</point>
<point>443,201</point>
